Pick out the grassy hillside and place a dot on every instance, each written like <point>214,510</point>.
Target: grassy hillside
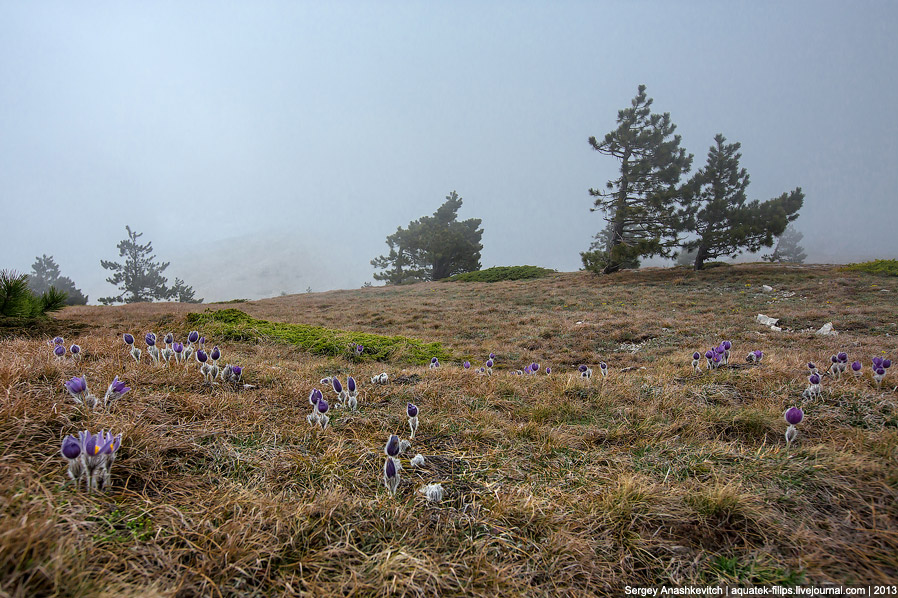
<point>554,485</point>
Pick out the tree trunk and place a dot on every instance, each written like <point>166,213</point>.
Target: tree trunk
<point>700,257</point>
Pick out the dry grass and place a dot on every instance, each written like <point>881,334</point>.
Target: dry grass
<point>554,486</point>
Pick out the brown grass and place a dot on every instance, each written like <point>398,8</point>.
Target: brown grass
<point>553,486</point>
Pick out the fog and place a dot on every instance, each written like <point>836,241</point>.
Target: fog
<point>271,147</point>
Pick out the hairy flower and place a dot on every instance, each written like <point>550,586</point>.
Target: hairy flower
<point>432,492</point>
<point>59,350</point>
<point>150,339</point>
<point>467,365</point>
<point>193,337</point>
<point>392,447</point>
<point>417,460</point>
<point>391,476</point>
<point>115,391</point>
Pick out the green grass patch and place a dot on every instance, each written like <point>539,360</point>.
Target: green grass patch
<point>877,267</point>
<point>233,324</point>
<point>500,273</point>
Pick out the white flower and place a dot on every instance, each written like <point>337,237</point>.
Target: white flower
<point>432,492</point>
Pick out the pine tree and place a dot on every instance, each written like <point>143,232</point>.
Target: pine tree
<point>718,212</point>
<point>432,247</point>
<point>45,274</point>
<point>641,203</point>
<point>140,276</point>
<point>788,249</point>
<point>182,293</point>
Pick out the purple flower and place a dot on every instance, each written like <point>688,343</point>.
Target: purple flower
<point>201,356</point>
<point>115,390</point>
<point>489,363</point>
<point>129,338</point>
<point>886,363</point>
<point>534,367</point>
<point>59,350</point>
<point>877,361</point>
<point>237,370</point>
<point>467,365</point>
<point>842,357</point>
<point>335,382</point>
<point>716,358</point>
<point>350,385</point>
<point>58,341</point>
<point>880,371</point>
<point>392,447</point>
<point>178,348</point>
<point>582,369</point>
<point>76,386</point>
<point>814,379</point>
<point>548,370</point>
<point>323,406</point>
<point>390,469</point>
<point>314,397</point>
<point>709,354</point>
<point>412,410</point>
<point>696,356</point>
<point>433,360</point>
<point>719,350</point>
<point>492,355</point>
<point>727,345</point>
<point>834,359</point>
<point>758,354</point>
<point>793,416</point>
<point>193,337</point>
<point>150,339</point>
<point>71,447</point>
<point>482,370</point>
<point>216,353</point>
<point>202,340</point>
<point>856,366</point>
<point>169,338</point>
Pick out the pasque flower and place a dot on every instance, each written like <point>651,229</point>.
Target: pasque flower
<point>793,417</point>
<point>115,391</point>
<point>412,412</point>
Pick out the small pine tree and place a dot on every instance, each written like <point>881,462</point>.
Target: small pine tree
<point>17,300</point>
<point>183,293</point>
<point>788,249</point>
<point>140,276</point>
<point>432,247</point>
<point>717,210</point>
<point>45,274</point>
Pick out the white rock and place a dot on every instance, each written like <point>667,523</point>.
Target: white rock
<point>827,330</point>
<point>767,288</point>
<point>776,329</point>
<point>766,320</point>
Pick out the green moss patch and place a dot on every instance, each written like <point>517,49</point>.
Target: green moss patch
<point>878,267</point>
<point>500,273</point>
<point>233,324</point>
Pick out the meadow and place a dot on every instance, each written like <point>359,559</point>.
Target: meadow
<point>554,485</point>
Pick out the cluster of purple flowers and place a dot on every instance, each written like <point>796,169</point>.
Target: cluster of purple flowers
<point>880,366</point>
<point>91,456</point>
<point>59,350</point>
<point>839,364</point>
<point>77,388</point>
<point>320,408</point>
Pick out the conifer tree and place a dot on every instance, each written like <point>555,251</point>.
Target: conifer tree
<point>139,277</point>
<point>641,203</point>
<point>718,212</point>
<point>788,249</point>
<point>432,247</point>
<point>45,274</point>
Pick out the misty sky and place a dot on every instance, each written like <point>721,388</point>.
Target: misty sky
<point>268,147</point>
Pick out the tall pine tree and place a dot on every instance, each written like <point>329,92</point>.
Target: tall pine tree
<point>641,204</point>
<point>719,213</point>
<point>788,248</point>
